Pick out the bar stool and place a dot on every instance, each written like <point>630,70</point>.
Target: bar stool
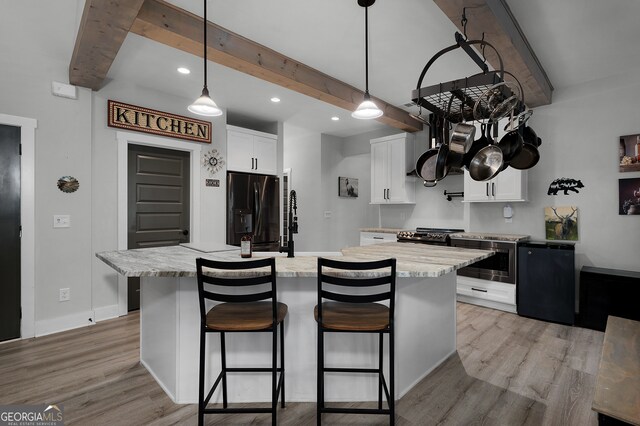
<point>356,313</point>
<point>248,312</point>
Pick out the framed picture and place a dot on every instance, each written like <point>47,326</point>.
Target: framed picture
<point>629,196</point>
<point>347,187</point>
<point>561,223</point>
<point>629,153</point>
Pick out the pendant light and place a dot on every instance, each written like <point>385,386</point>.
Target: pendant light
<point>367,109</point>
<point>204,105</point>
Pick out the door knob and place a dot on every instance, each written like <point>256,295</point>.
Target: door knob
<point>185,232</point>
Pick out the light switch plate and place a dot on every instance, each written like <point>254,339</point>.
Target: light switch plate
<point>61,221</point>
<point>328,214</point>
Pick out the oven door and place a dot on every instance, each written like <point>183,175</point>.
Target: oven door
<point>500,267</point>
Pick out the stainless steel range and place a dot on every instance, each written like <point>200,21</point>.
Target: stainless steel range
<point>433,236</point>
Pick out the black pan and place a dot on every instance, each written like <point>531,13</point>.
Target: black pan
<point>426,165</point>
<point>511,145</point>
<point>529,155</point>
<point>442,166</point>
<point>527,158</point>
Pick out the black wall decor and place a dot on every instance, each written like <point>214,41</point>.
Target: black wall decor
<point>566,185</point>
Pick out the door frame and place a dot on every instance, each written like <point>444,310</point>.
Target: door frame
<point>195,150</point>
<point>27,219</point>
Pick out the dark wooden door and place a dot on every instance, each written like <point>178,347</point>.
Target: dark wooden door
<point>158,205</point>
<point>10,232</point>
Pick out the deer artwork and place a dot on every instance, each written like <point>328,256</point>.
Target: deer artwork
<point>566,224</point>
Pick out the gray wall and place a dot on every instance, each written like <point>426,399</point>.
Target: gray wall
<point>62,147</point>
<point>580,132</point>
<point>105,174</point>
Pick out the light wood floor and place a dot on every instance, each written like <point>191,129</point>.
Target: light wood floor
<point>508,370</point>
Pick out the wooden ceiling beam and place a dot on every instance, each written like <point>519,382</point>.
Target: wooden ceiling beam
<point>103,28</point>
<point>500,28</point>
<point>175,27</point>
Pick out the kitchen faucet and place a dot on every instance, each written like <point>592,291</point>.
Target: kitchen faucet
<point>293,225</point>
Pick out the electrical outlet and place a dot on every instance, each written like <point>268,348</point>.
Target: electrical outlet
<point>61,221</point>
<point>65,294</point>
<point>328,214</point>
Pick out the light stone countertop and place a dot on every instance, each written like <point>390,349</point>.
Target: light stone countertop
<point>383,230</point>
<point>491,236</point>
<point>413,260</point>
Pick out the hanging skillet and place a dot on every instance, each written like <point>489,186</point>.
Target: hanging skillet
<point>426,164</point>
<point>529,155</point>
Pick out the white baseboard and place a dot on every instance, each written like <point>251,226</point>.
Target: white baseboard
<point>106,312</point>
<point>67,322</point>
<point>487,303</point>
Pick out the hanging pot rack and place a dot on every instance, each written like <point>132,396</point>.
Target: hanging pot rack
<point>465,91</point>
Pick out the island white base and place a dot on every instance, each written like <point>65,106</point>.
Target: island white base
<point>169,338</point>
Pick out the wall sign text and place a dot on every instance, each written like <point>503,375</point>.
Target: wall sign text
<point>131,117</point>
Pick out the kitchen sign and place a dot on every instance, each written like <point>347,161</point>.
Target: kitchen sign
<point>131,117</point>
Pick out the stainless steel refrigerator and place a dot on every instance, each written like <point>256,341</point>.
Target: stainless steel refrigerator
<point>253,208</point>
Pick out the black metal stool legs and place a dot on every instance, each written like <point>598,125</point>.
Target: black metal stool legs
<point>380,348</point>
<point>320,379</point>
<point>223,362</point>
<point>392,385</point>
<point>282,361</point>
<point>201,379</point>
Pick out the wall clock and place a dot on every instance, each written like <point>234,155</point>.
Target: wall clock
<point>212,161</point>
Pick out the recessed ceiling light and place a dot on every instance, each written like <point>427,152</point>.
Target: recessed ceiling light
<point>183,70</point>
<point>275,100</point>
<point>334,118</point>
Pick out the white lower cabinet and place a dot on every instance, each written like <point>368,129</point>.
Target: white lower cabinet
<point>491,294</point>
<point>509,185</point>
<point>369,238</point>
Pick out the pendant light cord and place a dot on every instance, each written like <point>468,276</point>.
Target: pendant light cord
<point>366,50</point>
<point>205,43</point>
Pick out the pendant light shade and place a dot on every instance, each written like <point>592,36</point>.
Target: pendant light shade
<point>204,105</point>
<point>367,110</point>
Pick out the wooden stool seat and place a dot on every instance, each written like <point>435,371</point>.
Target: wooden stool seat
<point>353,316</point>
<point>244,316</point>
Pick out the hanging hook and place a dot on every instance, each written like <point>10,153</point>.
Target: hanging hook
<point>463,22</point>
<point>483,46</point>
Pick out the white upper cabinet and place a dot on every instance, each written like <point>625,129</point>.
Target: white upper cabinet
<point>509,185</point>
<point>391,159</point>
<point>251,151</point>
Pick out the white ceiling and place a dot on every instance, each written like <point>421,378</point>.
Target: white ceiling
<point>576,41</point>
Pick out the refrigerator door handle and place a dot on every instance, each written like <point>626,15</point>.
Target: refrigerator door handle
<point>257,208</point>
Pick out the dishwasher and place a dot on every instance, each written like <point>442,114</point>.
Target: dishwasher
<point>546,281</point>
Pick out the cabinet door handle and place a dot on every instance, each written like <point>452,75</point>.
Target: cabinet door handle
<point>487,188</point>
<point>252,163</point>
<point>388,194</point>
<point>478,289</point>
<point>378,238</point>
<point>256,164</point>
<point>493,189</point>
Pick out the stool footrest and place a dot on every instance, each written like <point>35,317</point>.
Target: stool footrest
<point>217,382</point>
<point>237,410</point>
<point>350,370</point>
<point>355,410</point>
<point>252,370</point>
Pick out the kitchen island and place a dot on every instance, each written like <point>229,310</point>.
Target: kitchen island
<point>169,322</point>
